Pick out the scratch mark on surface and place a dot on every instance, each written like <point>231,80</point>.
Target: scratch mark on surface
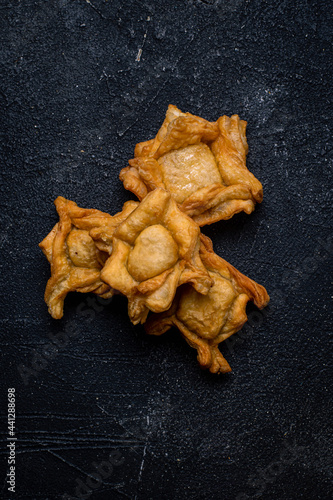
<point>141,467</point>
<point>70,464</point>
<point>142,463</point>
<point>123,132</point>
<point>143,456</point>
<point>207,2</point>
<point>107,81</point>
<point>119,491</point>
<point>255,238</point>
<point>59,437</point>
<point>138,57</point>
<point>103,410</point>
<point>119,444</point>
<point>139,54</point>
<point>95,8</point>
<point>146,108</point>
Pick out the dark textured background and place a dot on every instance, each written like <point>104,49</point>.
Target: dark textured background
<point>74,102</point>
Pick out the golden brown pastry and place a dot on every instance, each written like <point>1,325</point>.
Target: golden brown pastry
<point>207,320</point>
<point>201,163</point>
<point>155,250</point>
<point>191,174</point>
<point>75,260</point>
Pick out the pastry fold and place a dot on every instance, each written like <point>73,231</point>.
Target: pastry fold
<point>201,163</point>
<point>191,174</point>
<point>155,250</point>
<point>207,320</point>
<point>76,259</point>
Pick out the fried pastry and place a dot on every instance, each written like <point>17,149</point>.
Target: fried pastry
<point>207,320</point>
<point>155,250</point>
<point>191,174</point>
<point>201,163</point>
<point>76,259</point>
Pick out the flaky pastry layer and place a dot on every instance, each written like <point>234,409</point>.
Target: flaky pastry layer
<point>77,252</point>
<point>201,163</point>
<point>155,250</point>
<point>207,320</point>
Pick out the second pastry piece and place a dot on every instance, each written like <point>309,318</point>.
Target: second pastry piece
<point>205,321</point>
<point>201,163</point>
<point>76,259</point>
<point>155,250</point>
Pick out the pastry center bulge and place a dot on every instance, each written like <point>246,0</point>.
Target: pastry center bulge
<point>154,251</point>
<point>81,249</point>
<point>188,169</point>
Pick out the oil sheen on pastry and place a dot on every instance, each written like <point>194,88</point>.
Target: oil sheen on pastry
<point>201,163</point>
<point>155,250</point>
<point>207,320</point>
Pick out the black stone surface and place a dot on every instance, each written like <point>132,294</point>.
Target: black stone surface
<point>74,102</point>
